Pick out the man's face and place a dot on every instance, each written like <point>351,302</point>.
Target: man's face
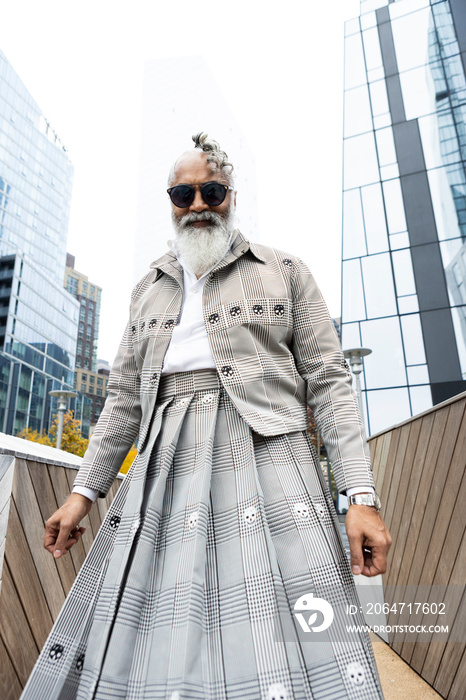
<point>193,169</point>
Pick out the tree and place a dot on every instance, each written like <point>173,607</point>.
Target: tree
<point>72,441</point>
<point>35,436</point>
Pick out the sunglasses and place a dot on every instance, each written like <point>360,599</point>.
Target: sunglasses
<point>213,194</point>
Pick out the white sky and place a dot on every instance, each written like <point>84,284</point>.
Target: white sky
<point>280,67</point>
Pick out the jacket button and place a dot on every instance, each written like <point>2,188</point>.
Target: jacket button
<point>143,325</point>
<point>287,262</point>
<point>258,309</point>
<point>133,329</point>
<point>152,323</point>
<point>227,371</point>
<point>213,318</point>
<point>169,323</point>
<point>279,309</point>
<point>235,311</point>
<point>153,378</point>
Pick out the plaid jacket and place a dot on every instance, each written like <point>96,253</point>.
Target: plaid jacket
<point>275,348</point>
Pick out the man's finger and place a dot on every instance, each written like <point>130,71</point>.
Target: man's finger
<point>65,536</point>
<point>50,537</point>
<point>356,555</point>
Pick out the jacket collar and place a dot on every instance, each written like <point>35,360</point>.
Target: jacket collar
<point>169,263</point>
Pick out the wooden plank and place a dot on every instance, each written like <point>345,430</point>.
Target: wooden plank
<point>398,505</point>
<point>7,468</point>
<point>384,452</point>
<point>396,473</point>
<point>47,502</point>
<point>31,520</point>
<point>408,575</point>
<point>416,543</point>
<point>404,530</point>
<point>26,580</point>
<point>10,687</point>
<point>6,478</point>
<point>389,464</point>
<point>428,658</point>
<point>15,631</point>
<point>450,520</point>
<point>456,691</point>
<point>423,566</point>
<point>375,449</point>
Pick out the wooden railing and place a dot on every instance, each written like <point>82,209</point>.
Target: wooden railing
<point>419,470</point>
<point>33,584</point>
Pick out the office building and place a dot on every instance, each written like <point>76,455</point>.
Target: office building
<point>89,296</point>
<point>38,317</point>
<point>404,203</point>
<point>94,386</point>
<point>181,98</point>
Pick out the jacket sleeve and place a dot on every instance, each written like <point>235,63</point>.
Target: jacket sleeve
<point>118,424</point>
<point>320,361</point>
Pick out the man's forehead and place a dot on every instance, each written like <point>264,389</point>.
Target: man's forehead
<point>194,164</point>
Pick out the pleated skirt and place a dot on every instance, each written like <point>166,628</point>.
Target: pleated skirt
<point>192,585</point>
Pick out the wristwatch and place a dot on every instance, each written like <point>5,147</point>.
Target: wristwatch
<point>366,499</point>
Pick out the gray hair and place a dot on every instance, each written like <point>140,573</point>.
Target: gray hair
<point>216,156</point>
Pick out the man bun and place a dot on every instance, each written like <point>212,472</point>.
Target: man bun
<point>216,155</point>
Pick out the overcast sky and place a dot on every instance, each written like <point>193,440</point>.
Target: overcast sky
<point>280,68</point>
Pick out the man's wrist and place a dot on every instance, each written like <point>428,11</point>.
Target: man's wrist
<point>365,499</point>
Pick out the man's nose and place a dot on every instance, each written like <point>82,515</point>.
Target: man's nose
<point>198,203</point>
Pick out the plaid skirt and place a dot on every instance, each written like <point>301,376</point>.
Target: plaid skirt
<point>209,572</point>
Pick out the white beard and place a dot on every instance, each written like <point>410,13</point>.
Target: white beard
<point>202,248</point>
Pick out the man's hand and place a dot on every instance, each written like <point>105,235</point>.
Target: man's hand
<point>62,529</point>
<point>369,540</point>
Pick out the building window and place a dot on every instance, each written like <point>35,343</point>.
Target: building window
<point>83,388</point>
<point>99,392</point>
<point>91,379</point>
<point>100,381</point>
<point>72,285</point>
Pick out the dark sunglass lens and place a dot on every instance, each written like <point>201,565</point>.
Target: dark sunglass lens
<point>182,196</point>
<point>213,193</point>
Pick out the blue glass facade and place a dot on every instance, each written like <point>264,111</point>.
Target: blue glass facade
<point>38,317</point>
<point>404,203</point>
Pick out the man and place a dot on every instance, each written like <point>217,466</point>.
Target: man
<point>224,523</point>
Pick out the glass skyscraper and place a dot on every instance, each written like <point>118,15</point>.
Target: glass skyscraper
<point>404,204</point>
<point>38,317</point>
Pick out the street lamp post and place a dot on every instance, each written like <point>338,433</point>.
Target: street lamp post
<point>62,400</point>
<point>355,356</point>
